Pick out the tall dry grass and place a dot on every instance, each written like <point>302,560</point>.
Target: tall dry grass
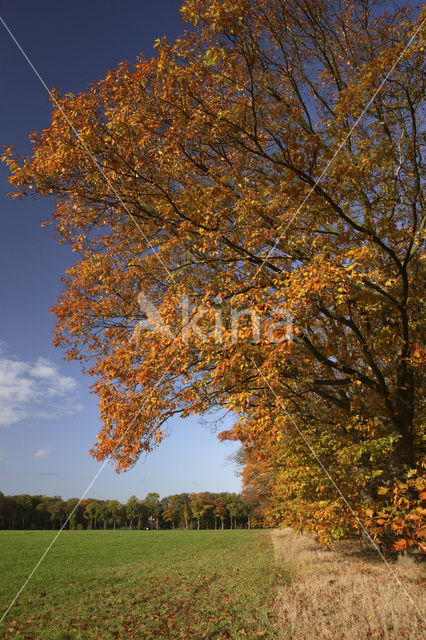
<point>343,593</point>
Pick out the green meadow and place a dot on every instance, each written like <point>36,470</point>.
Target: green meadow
<point>139,584</point>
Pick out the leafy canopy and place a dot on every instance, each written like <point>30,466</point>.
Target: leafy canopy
<point>269,158</point>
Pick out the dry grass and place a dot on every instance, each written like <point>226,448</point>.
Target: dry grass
<point>343,594</point>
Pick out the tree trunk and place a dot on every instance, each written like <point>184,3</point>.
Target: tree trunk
<point>403,420</point>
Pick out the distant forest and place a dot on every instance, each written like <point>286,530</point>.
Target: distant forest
<point>203,510</point>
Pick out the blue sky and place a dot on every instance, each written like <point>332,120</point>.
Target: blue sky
<point>48,418</point>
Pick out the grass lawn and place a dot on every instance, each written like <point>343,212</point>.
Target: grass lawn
<point>139,584</point>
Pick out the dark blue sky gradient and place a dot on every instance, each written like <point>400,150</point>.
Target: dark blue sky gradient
<point>71,45</point>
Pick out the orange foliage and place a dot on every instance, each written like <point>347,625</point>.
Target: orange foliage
<point>264,160</point>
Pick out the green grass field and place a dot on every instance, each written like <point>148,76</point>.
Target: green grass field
<point>139,584</point>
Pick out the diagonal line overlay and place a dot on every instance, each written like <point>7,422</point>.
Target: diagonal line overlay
<point>319,179</point>
<point>324,171</point>
<point>42,557</point>
<point>360,523</point>
<point>89,153</point>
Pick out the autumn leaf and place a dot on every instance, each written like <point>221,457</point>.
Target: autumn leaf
<point>224,189</point>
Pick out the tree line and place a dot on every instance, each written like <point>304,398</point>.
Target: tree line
<point>202,510</point>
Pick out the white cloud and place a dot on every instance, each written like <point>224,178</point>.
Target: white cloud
<point>42,453</point>
<point>44,370</point>
<point>34,390</point>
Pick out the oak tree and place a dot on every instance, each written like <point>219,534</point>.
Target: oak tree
<point>269,159</point>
